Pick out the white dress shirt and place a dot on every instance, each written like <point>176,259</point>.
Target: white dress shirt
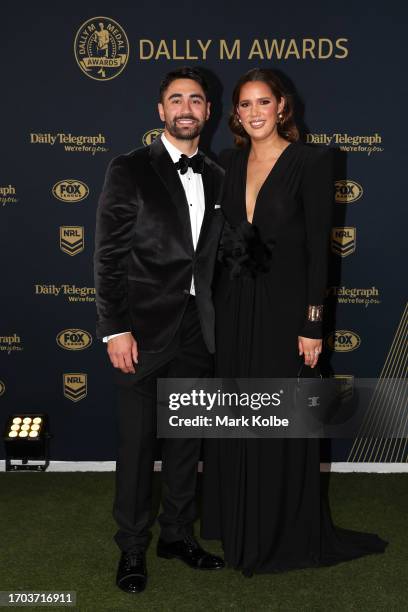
<point>193,187</point>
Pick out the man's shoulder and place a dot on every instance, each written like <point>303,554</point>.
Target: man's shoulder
<point>131,165</point>
<point>135,156</point>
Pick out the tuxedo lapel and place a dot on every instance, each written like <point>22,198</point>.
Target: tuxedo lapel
<point>208,184</point>
<point>166,170</point>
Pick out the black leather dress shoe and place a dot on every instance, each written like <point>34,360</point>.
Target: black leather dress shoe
<point>189,551</point>
<point>132,572</point>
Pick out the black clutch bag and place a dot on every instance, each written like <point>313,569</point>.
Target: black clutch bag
<point>317,400</point>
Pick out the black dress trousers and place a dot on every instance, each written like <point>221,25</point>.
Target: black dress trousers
<point>185,357</point>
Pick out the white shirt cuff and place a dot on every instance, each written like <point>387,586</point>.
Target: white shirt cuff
<point>106,338</point>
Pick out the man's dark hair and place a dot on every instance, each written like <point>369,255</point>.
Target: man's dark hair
<point>184,73</point>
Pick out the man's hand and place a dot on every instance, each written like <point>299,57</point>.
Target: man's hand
<point>311,349</point>
<point>122,352</point>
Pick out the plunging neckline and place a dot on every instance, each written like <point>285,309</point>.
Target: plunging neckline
<point>268,176</point>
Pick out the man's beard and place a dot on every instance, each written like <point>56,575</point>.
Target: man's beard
<point>182,133</point>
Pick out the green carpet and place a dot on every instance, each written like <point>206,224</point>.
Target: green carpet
<point>56,534</point>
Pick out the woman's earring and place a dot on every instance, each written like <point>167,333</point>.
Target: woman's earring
<point>239,119</point>
<point>280,117</point>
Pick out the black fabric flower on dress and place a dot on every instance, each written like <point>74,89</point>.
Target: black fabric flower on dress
<point>243,251</point>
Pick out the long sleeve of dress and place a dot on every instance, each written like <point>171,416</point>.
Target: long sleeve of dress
<point>115,223</point>
<point>318,211</point>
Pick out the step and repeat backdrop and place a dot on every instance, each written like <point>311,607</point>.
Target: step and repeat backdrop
<point>80,86</point>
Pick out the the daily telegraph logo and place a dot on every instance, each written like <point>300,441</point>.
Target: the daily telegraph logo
<point>101,48</point>
<point>347,192</point>
<point>2,387</point>
<point>72,239</point>
<point>73,143</point>
<point>343,240</point>
<point>8,195</point>
<point>11,344</point>
<point>151,136</point>
<point>70,292</point>
<point>343,341</point>
<point>364,296</point>
<point>75,386</point>
<point>74,339</point>
<point>70,190</point>
<point>352,143</point>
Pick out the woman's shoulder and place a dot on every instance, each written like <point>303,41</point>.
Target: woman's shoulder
<point>228,156</point>
<point>311,153</point>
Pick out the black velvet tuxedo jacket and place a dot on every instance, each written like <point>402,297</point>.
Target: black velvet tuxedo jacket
<point>144,255</point>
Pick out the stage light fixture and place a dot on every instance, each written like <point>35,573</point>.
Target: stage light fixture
<point>26,439</point>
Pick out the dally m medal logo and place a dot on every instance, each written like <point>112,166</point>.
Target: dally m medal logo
<point>70,190</point>
<point>101,48</point>
<point>347,191</point>
<point>2,387</point>
<point>75,386</point>
<point>151,135</point>
<point>343,241</point>
<point>72,239</point>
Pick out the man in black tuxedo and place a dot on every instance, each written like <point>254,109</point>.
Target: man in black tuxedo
<point>157,233</point>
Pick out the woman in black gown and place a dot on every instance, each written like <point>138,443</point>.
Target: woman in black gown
<point>262,496</point>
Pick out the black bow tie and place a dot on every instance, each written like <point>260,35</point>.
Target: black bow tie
<point>196,163</point>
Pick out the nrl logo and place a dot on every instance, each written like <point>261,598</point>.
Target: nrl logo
<point>75,386</point>
<point>72,239</point>
<point>343,240</point>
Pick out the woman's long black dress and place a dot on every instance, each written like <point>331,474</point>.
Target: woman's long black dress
<point>262,496</point>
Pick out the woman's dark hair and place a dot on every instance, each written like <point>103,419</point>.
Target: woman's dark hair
<point>286,126</point>
<point>183,73</point>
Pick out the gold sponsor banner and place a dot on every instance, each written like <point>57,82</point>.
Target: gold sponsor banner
<point>75,386</point>
<point>72,240</point>
<point>343,241</point>
<point>74,339</point>
<point>343,341</point>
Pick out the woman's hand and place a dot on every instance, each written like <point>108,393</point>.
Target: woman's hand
<point>311,349</point>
